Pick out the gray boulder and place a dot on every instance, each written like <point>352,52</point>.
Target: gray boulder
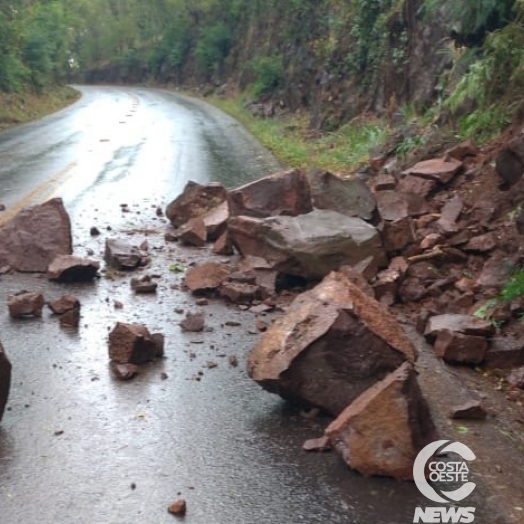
<point>310,245</point>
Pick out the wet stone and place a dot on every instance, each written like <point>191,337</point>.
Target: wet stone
<point>195,201</point>
<point>471,410</point>
<point>193,322</point>
<point>24,304</point>
<point>122,255</point>
<point>36,236</point>
<point>283,193</point>
<point>382,431</point>
<point>332,343</point>
<point>70,318</point>
<point>465,324</point>
<point>504,353</point>
<point>143,285</point>
<point>64,304</point>
<point>193,233</point>
<point>351,197</point>
<point>206,277</point>
<point>457,348</point>
<point>178,508</point>
<point>69,268</point>
<point>132,343</point>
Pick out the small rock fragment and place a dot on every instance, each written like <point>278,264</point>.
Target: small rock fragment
<point>317,444</point>
<point>143,285</point>
<point>194,322</point>
<point>64,304</point>
<point>23,304</point>
<point>472,410</point>
<point>178,508</point>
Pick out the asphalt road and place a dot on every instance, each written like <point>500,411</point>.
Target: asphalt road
<point>77,446</point>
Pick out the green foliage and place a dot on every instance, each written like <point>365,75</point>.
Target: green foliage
<point>492,82</point>
<point>268,72</point>
<point>213,46</point>
<point>514,288</point>
<point>378,34</point>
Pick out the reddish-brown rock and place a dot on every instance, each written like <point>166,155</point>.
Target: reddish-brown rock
<point>223,245</point>
<point>450,214</point>
<point>504,353</point>
<point>206,277</point>
<point>143,285</point>
<point>240,292</point>
<point>436,169</point>
<point>215,221</point>
<point>457,348</point>
<point>64,304</point>
<point>193,322</point>
<point>178,508</point>
<point>462,150</point>
<point>465,324</point>
<point>5,380</point>
<point>34,237</point>
<point>384,429</point>
<point>70,318</point>
<point>415,185</point>
<point>471,410</point>
<point>132,344</point>
<point>482,243</point>
<point>398,234</point>
<point>195,201</point>
<point>24,304</point>
<point>283,193</point>
<point>332,343</point>
<point>69,268</point>
<point>122,255</point>
<point>193,233</point>
<point>351,197</point>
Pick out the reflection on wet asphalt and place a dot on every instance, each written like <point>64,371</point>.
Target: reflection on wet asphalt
<point>78,446</point>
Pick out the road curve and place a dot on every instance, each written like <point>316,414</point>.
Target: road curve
<point>125,141</point>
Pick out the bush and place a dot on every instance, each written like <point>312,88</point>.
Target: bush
<point>268,71</point>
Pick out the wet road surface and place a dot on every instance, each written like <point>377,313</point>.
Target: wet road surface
<point>76,446</point>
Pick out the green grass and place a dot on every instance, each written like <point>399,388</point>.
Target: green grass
<point>295,146</point>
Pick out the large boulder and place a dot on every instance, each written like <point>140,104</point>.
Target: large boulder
<point>5,380</point>
<point>283,193</point>
<point>195,201</point>
<point>384,429</point>
<point>310,245</point>
<point>332,344</point>
<point>351,197</point>
<point>32,239</point>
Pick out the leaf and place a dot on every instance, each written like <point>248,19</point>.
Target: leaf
<point>462,429</point>
<point>177,268</point>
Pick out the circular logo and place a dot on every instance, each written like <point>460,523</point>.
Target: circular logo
<point>443,471</point>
